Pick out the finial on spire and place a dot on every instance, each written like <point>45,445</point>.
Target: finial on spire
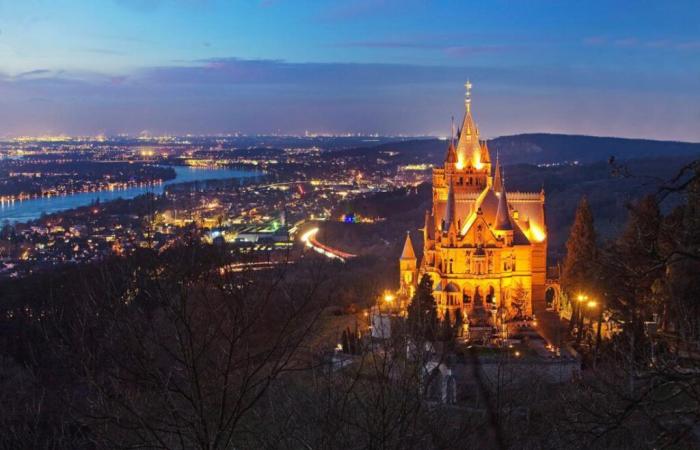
<point>452,130</point>
<point>468,95</point>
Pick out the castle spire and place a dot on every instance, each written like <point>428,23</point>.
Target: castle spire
<point>503,221</point>
<point>468,145</point>
<point>450,210</point>
<point>426,227</point>
<point>498,177</point>
<point>485,154</point>
<point>468,96</point>
<point>408,252</point>
<point>451,157</point>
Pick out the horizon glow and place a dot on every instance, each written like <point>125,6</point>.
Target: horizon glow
<point>627,68</point>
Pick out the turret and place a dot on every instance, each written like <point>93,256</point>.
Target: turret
<point>450,219</point>
<point>451,157</point>
<point>408,268</point>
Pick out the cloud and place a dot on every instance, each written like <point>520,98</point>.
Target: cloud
<point>229,94</point>
<point>34,73</point>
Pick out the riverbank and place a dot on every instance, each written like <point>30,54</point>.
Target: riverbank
<point>26,210</point>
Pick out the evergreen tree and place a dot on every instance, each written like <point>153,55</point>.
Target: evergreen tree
<point>422,311</point>
<point>459,322</point>
<point>579,269</point>
<point>446,332</point>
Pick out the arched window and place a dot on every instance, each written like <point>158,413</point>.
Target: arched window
<point>491,295</point>
<point>477,296</point>
<point>467,297</point>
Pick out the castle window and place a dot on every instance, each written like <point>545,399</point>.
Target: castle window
<point>490,297</point>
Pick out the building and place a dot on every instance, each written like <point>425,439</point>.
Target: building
<point>484,247</point>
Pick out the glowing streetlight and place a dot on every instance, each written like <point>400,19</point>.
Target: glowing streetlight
<point>388,298</point>
<point>592,304</point>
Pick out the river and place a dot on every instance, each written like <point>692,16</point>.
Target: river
<point>23,211</point>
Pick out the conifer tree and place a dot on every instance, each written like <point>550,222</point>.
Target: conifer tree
<point>579,269</point>
<point>422,311</point>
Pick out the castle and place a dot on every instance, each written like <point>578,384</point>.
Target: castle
<point>484,247</point>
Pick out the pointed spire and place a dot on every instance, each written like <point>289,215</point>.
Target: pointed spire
<point>468,96</point>
<point>468,143</point>
<point>451,210</point>
<point>426,227</point>
<point>498,177</point>
<point>451,157</point>
<point>503,221</point>
<point>408,252</point>
<point>485,154</point>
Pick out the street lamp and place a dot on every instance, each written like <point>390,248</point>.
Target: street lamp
<point>581,298</point>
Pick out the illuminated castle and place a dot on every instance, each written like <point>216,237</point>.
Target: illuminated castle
<point>484,248</point>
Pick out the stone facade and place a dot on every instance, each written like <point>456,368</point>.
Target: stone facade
<point>485,248</point>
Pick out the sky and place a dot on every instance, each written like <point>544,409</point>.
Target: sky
<point>608,68</point>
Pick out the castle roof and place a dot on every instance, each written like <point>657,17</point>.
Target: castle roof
<point>468,143</point>
<point>451,209</point>
<point>408,252</point>
<point>503,221</point>
<point>485,154</point>
<point>451,157</point>
<point>498,177</point>
<point>451,287</point>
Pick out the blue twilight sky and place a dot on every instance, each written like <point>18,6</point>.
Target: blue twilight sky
<point>623,68</point>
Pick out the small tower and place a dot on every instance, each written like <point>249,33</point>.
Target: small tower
<point>408,268</point>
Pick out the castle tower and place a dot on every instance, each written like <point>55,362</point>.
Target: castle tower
<point>408,268</point>
<point>484,247</point>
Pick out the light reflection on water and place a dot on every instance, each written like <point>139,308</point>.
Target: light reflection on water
<point>22,211</point>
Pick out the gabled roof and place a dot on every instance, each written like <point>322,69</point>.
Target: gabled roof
<point>475,221</point>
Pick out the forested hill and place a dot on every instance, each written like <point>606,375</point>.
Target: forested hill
<point>539,148</point>
<point>546,148</point>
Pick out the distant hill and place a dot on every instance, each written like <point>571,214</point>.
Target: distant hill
<point>539,148</point>
<point>564,186</point>
<point>543,148</point>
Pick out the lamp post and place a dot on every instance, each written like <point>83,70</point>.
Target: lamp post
<point>581,298</point>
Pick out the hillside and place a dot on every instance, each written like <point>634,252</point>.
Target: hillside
<point>537,148</point>
<point>564,185</point>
